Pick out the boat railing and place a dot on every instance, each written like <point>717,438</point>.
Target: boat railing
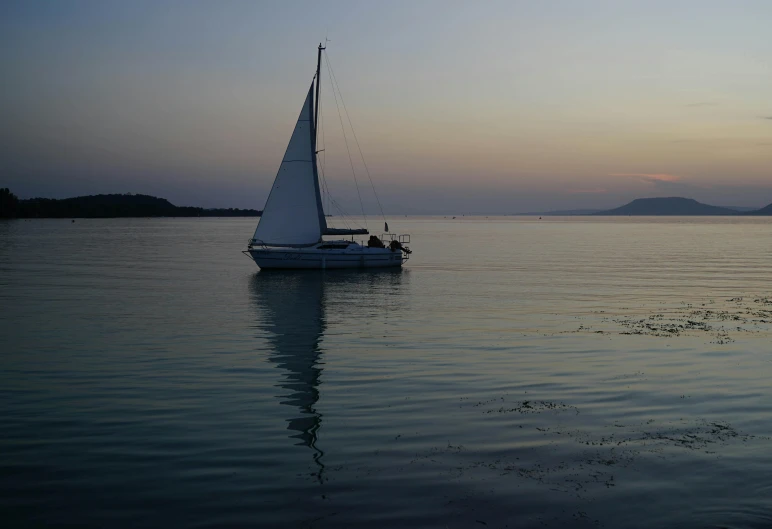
<point>403,240</point>
<point>388,237</point>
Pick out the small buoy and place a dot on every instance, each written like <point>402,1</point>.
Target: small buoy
<point>73,220</point>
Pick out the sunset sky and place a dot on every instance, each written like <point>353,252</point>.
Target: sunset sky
<point>459,107</point>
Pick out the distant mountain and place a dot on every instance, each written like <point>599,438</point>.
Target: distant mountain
<point>561,213</point>
<point>110,206</point>
<point>766,210</point>
<point>677,206</point>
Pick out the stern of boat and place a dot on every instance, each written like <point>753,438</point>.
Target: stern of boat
<point>398,243</point>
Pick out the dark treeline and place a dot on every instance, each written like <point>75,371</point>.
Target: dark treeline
<point>107,206</point>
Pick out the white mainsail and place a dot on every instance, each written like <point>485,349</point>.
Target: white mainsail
<point>293,213</point>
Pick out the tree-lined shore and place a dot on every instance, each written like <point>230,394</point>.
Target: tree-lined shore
<point>106,206</point>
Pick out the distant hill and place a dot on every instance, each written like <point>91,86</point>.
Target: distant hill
<point>668,206</point>
<point>766,210</point>
<point>109,206</point>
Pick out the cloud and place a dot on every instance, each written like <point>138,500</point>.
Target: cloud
<point>666,182</point>
<point>649,177</point>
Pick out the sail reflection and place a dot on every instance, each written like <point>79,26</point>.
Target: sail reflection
<point>295,308</point>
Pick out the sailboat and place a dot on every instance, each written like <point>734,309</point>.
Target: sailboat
<point>291,230</point>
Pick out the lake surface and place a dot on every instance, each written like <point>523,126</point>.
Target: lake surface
<point>516,373</point>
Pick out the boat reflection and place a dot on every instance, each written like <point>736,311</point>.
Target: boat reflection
<point>295,309</point>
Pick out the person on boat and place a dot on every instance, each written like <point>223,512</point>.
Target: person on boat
<point>396,245</point>
<point>375,242</point>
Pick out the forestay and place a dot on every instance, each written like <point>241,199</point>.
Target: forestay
<point>293,214</point>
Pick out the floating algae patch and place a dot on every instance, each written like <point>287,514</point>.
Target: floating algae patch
<point>578,456</point>
<point>722,321</point>
<point>533,406</point>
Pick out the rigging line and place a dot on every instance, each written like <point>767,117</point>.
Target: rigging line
<point>343,212</point>
<point>325,186</point>
<point>345,140</point>
<point>353,132</point>
<point>332,201</point>
<point>346,219</point>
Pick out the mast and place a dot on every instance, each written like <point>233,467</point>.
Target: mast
<point>318,83</point>
<point>320,208</point>
<point>314,127</point>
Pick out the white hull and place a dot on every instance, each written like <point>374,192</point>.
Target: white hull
<point>355,256</point>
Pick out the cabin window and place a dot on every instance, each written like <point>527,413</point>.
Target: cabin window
<point>333,247</point>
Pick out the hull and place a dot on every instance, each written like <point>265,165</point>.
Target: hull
<point>313,258</point>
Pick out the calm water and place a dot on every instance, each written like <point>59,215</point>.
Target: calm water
<point>516,373</point>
